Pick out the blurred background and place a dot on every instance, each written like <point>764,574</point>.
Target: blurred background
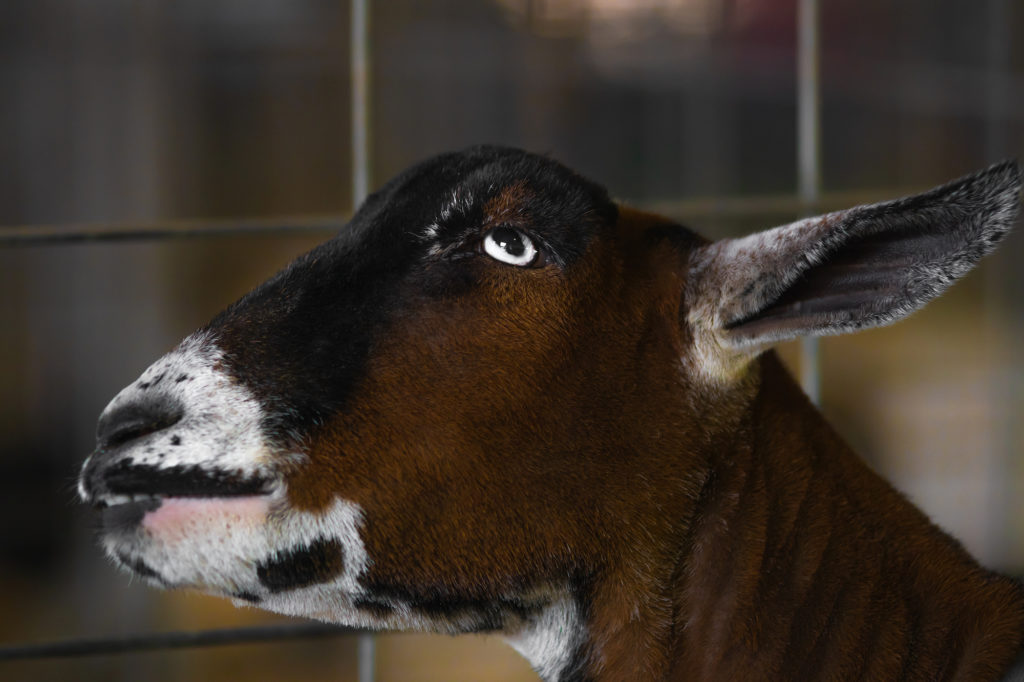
<point>135,112</point>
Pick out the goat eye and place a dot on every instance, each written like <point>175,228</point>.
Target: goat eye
<point>510,246</point>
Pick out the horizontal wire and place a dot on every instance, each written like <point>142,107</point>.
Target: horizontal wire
<point>32,235</point>
<point>155,641</point>
<point>724,208</point>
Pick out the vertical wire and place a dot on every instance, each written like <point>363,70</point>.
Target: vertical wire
<point>360,97</point>
<point>360,74</point>
<point>998,306</point>
<point>808,153</point>
<point>367,656</point>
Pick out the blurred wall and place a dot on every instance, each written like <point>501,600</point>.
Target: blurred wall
<point>142,110</point>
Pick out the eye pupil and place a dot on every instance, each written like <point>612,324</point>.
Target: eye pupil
<point>509,240</point>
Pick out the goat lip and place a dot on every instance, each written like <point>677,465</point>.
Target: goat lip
<point>147,503</point>
<point>127,482</point>
<point>103,502</point>
<point>124,516</point>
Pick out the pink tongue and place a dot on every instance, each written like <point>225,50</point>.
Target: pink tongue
<point>176,512</point>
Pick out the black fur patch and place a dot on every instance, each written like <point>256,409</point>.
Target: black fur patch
<point>248,596</point>
<point>484,614</point>
<point>373,606</point>
<point>576,669</point>
<point>319,562</point>
<point>300,341</point>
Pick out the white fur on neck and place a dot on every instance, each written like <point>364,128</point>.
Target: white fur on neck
<point>550,641</point>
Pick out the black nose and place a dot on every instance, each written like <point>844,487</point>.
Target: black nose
<point>135,420</point>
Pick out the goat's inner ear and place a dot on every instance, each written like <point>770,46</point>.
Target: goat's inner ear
<point>859,268</point>
<point>865,281</point>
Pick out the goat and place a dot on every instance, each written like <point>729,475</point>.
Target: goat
<point>498,401</point>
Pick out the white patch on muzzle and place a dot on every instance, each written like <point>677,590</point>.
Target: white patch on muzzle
<point>220,427</point>
<point>217,544</point>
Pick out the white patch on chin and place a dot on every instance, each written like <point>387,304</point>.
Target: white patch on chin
<point>550,640</point>
<point>215,545</point>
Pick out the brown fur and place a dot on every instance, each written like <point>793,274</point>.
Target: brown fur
<point>508,208</point>
<point>727,534</point>
<point>807,565</point>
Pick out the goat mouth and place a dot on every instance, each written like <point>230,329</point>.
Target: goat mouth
<point>124,516</point>
<point>139,488</point>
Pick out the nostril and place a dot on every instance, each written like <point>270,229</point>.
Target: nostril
<point>128,431</point>
<point>134,421</point>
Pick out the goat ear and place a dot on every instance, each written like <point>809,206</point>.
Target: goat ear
<point>853,269</point>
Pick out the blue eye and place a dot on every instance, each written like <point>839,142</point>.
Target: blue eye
<point>510,246</point>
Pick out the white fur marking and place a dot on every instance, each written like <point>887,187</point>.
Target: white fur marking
<point>550,641</point>
<point>459,202</point>
<point>220,428</point>
<point>216,545</point>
